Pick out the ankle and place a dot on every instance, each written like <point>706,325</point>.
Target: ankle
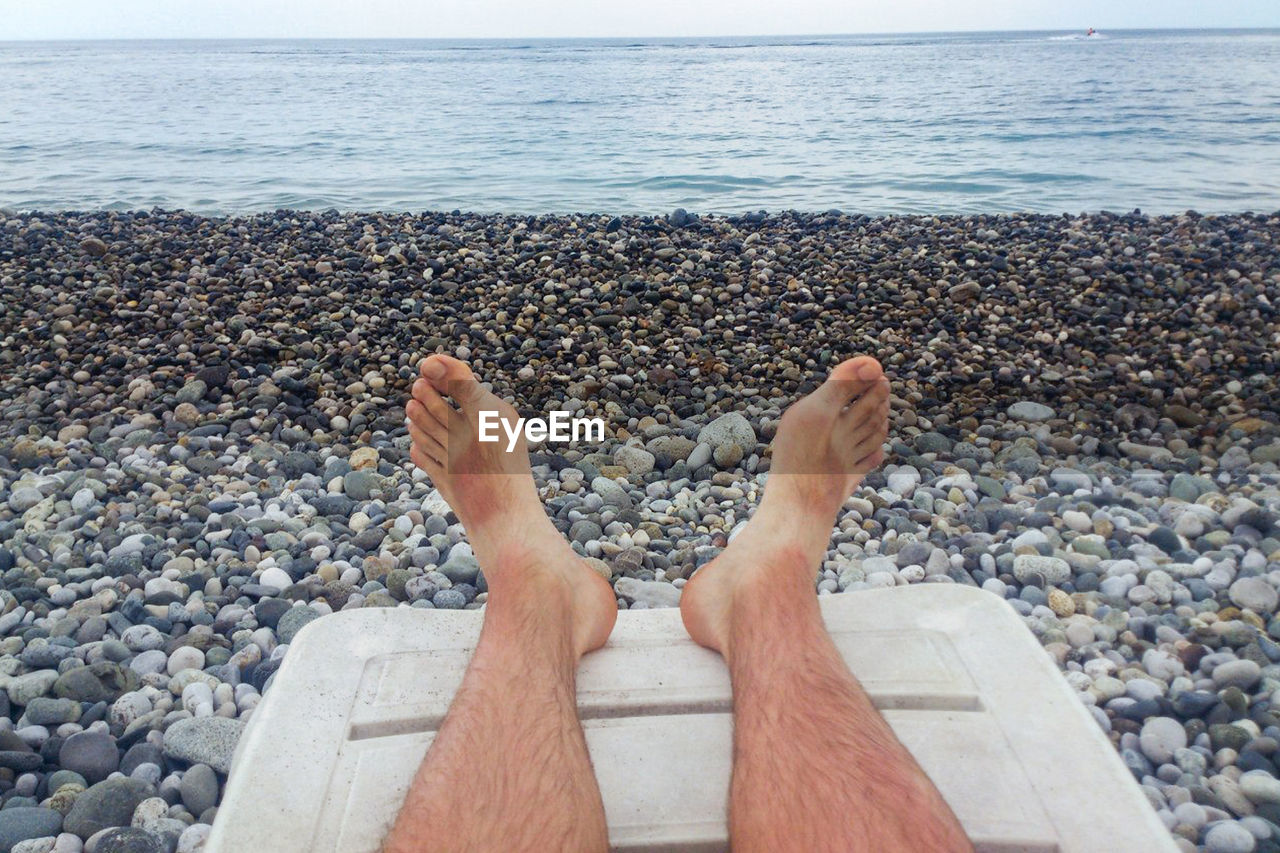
<point>784,538</point>
<point>515,540</point>
<point>769,604</point>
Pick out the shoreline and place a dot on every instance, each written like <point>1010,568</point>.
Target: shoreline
<point>830,215</point>
<point>202,448</point>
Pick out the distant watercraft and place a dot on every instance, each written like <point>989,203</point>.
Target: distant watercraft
<point>1089,34</point>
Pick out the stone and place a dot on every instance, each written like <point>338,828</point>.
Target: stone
<point>106,804</point>
<point>1229,837</point>
<point>727,456</point>
<point>728,429</point>
<point>92,754</point>
<point>669,449</point>
<point>19,823</point>
<point>361,485</point>
<point>1260,786</point>
<point>903,480</point>
<point>1161,737</point>
<point>44,711</point>
<point>23,688</point>
<point>1254,594</point>
<point>648,593</point>
<point>1053,569</point>
<point>461,568</point>
<point>103,681</point>
<point>636,460</point>
<point>699,456</point>
<point>275,578</point>
<point>193,838</point>
<point>1028,410</point>
<point>199,788</point>
<point>293,621</point>
<point>143,752</point>
<point>93,247</point>
<point>364,459</point>
<point>206,740</point>
<point>192,392</point>
<point>267,611</point>
<point>932,442</point>
<point>39,845</point>
<point>611,493</point>
<point>1069,479</point>
<point>129,839</point>
<point>449,599</point>
<point>990,487</point>
<point>585,530</point>
<point>1237,673</point>
<point>1060,603</point>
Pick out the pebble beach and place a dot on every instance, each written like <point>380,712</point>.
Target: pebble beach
<point>202,449</point>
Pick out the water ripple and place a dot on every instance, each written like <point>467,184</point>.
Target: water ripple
<point>947,123</point>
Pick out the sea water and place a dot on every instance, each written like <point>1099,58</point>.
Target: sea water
<point>945,123</point>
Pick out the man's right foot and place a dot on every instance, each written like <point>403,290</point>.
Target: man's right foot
<point>492,492</point>
<point>825,444</point>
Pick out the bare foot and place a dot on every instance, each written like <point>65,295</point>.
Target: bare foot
<point>825,444</point>
<point>493,494</point>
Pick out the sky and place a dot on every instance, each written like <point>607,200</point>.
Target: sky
<point>80,19</point>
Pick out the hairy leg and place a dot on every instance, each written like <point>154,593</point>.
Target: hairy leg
<point>816,767</point>
<point>509,768</point>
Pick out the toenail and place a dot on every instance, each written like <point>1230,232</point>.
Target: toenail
<point>433,370</point>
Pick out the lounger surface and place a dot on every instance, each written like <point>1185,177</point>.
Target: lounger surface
<point>327,757</point>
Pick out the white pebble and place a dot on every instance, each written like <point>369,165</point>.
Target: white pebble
<point>275,578</point>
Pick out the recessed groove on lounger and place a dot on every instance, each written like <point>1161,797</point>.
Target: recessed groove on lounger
<point>606,708</point>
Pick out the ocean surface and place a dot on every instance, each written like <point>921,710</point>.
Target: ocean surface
<point>945,123</point>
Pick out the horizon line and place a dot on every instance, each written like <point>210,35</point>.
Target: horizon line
<point>641,37</point>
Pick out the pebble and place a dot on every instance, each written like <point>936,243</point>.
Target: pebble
<point>1029,410</point>
<point>1229,837</point>
<point>175,505</point>
<point>1053,569</point>
<point>1260,786</point>
<point>1236,673</point>
<point>1254,594</point>
<point>92,754</point>
<point>206,740</point>
<point>106,804</point>
<point>1161,737</point>
<point>199,788</point>
<point>648,593</point>
<point>19,823</point>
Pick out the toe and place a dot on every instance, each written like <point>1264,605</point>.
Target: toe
<point>435,406</point>
<point>426,462</point>
<point>875,395</point>
<point>428,444</point>
<point>449,376</point>
<point>849,380</point>
<point>870,461</point>
<point>421,419</point>
<point>864,367</point>
<point>868,436</point>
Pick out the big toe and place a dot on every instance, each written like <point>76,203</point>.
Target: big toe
<point>453,378</point>
<point>859,367</point>
<point>851,379</point>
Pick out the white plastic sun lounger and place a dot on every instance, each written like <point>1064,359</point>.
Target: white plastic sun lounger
<point>965,686</point>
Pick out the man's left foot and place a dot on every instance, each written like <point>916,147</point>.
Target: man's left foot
<point>825,444</point>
